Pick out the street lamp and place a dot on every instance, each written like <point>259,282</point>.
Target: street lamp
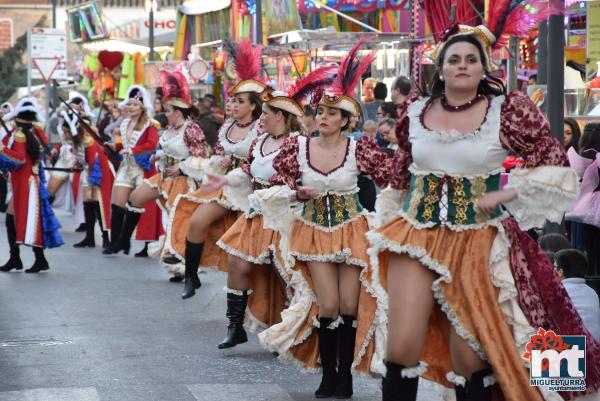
<point>151,7</point>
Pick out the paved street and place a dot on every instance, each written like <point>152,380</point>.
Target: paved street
<point>114,329</point>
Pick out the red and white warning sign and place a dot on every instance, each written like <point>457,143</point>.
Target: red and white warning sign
<point>48,51</point>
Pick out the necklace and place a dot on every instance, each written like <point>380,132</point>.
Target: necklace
<point>243,125</point>
<point>462,107</point>
<point>278,136</point>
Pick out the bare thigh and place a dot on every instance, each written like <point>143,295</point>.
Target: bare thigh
<point>120,195</point>
<point>465,360</point>
<point>410,304</point>
<point>204,215</point>
<point>325,280</point>
<point>10,209</point>
<point>142,195</point>
<point>89,193</point>
<point>349,289</point>
<point>238,273</point>
<point>54,184</point>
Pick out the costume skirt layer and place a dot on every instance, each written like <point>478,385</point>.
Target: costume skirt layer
<point>247,239</point>
<point>184,206</point>
<point>468,296</point>
<point>295,338</point>
<point>168,188</point>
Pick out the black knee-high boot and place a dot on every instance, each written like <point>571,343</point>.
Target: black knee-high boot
<point>347,333</point>
<point>105,239</point>
<point>328,349</point>
<point>236,310</point>
<point>398,387</point>
<point>478,388</point>
<point>3,193</point>
<point>117,213</point>
<point>193,254</point>
<point>40,261</point>
<point>89,211</point>
<point>14,262</point>
<point>132,217</point>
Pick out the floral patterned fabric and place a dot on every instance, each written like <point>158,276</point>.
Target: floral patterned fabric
<point>545,301</point>
<point>373,161</point>
<point>525,130</point>
<point>195,139</point>
<point>286,164</point>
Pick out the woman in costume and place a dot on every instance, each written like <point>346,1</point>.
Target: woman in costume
<point>448,238</point>
<point>183,142</point>
<point>29,219</point>
<point>139,139</point>
<point>256,277</point>
<point>327,239</point>
<point>94,176</point>
<point>64,190</point>
<point>215,212</point>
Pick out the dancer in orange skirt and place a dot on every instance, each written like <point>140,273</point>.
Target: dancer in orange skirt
<point>256,275</point>
<point>139,139</point>
<point>182,144</point>
<point>215,211</point>
<point>450,240</point>
<point>327,241</point>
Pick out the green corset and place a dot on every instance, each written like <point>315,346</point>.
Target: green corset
<point>425,199</point>
<point>332,209</point>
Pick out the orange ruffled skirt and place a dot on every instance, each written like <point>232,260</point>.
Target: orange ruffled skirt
<point>467,300</point>
<point>184,206</point>
<point>247,239</point>
<point>295,338</point>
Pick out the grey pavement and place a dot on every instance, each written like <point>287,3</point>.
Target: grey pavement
<point>98,328</point>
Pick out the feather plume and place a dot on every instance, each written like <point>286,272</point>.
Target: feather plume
<point>350,71</point>
<point>174,85</point>
<point>248,61</point>
<point>316,79</point>
<point>517,17</point>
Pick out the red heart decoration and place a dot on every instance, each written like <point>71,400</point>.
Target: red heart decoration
<point>110,59</point>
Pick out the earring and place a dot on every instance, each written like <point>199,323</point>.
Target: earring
<point>441,78</point>
<point>484,77</point>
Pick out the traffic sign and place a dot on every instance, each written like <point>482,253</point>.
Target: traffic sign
<point>48,52</point>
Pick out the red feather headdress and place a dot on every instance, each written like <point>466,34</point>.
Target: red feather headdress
<point>176,90</point>
<point>247,61</point>
<point>505,18</point>
<point>291,101</point>
<point>350,71</point>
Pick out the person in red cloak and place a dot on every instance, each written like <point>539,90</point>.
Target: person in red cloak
<point>29,219</point>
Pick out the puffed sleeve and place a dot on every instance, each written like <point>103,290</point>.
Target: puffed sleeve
<point>546,186</point>
<point>195,165</point>
<point>373,161</point>
<point>286,164</point>
<point>145,148</point>
<point>15,157</point>
<point>195,140</point>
